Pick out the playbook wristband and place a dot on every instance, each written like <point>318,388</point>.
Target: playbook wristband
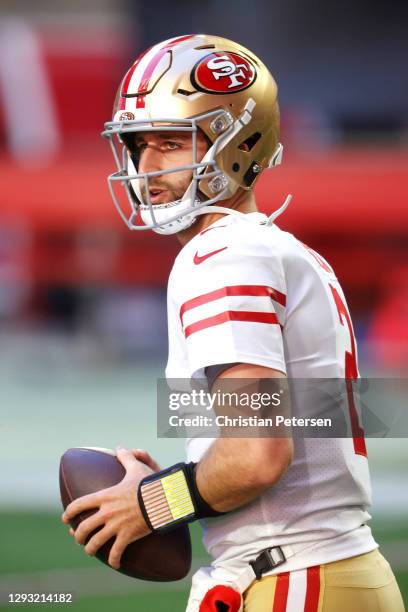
<point>171,496</point>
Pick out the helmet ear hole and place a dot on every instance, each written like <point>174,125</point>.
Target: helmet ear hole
<point>248,144</point>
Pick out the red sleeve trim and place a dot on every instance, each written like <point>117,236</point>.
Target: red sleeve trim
<point>233,290</point>
<point>231,315</point>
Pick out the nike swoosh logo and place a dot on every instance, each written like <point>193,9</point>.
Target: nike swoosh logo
<point>200,258</point>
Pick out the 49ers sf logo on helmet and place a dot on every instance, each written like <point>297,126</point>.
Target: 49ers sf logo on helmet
<point>222,73</point>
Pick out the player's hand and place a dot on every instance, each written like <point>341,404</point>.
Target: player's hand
<point>118,514</point>
<point>144,457</point>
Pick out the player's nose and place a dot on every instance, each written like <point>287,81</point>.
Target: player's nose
<point>150,160</point>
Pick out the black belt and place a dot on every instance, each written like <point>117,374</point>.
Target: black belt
<point>267,560</point>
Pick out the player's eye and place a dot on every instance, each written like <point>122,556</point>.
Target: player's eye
<point>171,144</point>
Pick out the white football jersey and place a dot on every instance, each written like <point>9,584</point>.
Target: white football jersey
<point>242,291</point>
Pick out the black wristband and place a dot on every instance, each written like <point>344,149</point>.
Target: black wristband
<point>203,509</point>
<point>171,497</point>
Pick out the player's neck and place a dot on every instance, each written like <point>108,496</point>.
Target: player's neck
<point>243,201</point>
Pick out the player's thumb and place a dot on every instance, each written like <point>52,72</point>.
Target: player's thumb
<point>125,457</point>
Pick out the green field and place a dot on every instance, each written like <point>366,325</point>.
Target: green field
<point>37,555</point>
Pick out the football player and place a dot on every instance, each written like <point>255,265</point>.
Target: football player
<point>196,121</point>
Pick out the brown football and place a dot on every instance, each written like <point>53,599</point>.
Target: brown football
<point>157,557</point>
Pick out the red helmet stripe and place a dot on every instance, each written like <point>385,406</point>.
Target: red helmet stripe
<point>130,72</point>
<point>147,74</point>
<point>140,102</point>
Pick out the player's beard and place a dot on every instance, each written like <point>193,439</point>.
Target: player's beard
<point>172,190</point>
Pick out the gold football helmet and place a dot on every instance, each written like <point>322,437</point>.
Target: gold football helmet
<point>190,83</point>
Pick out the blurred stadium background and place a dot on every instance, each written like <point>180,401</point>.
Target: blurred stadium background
<point>82,300</point>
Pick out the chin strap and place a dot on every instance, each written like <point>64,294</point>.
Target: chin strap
<point>231,211</point>
<point>220,209</point>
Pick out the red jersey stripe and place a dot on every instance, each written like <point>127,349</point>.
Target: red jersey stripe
<point>250,290</point>
<point>231,315</point>
<point>312,589</point>
<point>281,592</point>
